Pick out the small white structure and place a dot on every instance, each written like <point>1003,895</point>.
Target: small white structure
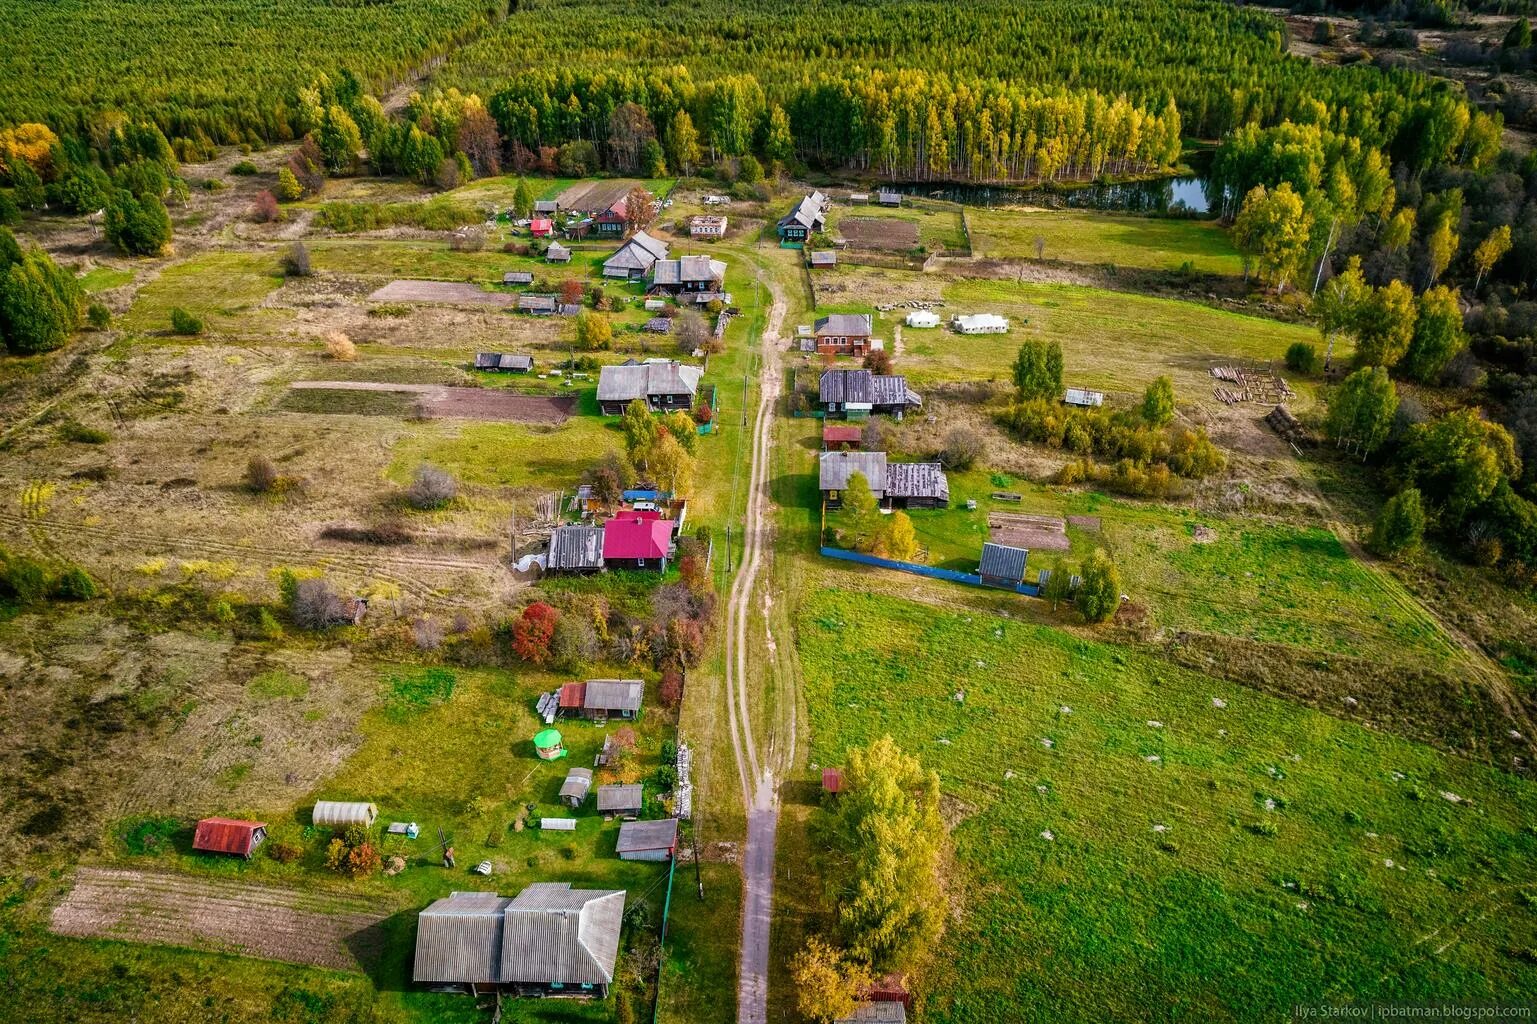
<point>655,305</point>
<point>922,318</point>
<point>1084,399</point>
<point>557,824</point>
<point>981,323</point>
<point>707,227</point>
<point>342,814</point>
<point>717,200</point>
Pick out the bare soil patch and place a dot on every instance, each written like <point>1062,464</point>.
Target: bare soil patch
<point>298,927</point>
<point>1037,533</point>
<point>1089,523</point>
<point>879,233</point>
<point>440,291</point>
<point>437,402</point>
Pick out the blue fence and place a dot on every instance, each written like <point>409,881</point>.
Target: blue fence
<point>970,579</point>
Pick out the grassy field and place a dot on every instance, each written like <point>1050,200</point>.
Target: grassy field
<point>1098,238</point>
<point>224,289</point>
<point>1206,860</point>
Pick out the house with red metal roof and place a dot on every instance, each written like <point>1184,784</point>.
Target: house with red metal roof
<point>541,227</point>
<point>632,541</point>
<point>229,835</point>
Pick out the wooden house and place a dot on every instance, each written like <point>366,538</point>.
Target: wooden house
<point>623,801</point>
<point>518,277</point>
<point>633,260</point>
<point>648,840</point>
<point>229,835</point>
<point>602,699</point>
<point>688,275</point>
<point>855,394</point>
<point>835,468</point>
<point>612,222</point>
<point>894,484</point>
<point>557,253</point>
<point>633,541</point>
<point>550,940</point>
<point>546,207</point>
<point>573,791</point>
<point>538,305</point>
<point>808,217</point>
<point>843,334</point>
<point>664,386</point>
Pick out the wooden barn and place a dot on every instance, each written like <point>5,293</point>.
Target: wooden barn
<point>622,801</point>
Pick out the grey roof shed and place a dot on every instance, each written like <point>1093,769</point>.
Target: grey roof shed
<point>573,548</point>
<point>614,695</point>
<point>620,799</point>
<point>1003,563</point>
<point>643,836</point>
<point>578,782</point>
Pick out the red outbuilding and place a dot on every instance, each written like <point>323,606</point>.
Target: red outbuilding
<point>541,227</point>
<point>229,835</point>
<point>840,436</point>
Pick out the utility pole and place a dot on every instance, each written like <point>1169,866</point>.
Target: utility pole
<point>728,549</point>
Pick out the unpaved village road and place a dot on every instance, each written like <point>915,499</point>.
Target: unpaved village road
<point>760,795</point>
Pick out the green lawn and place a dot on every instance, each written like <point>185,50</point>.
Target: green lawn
<point>1087,236</point>
<point>102,279</point>
<point>1207,862</point>
<point>224,289</point>
<point>499,191</point>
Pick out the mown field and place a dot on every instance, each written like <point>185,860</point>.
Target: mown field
<point>1141,842</point>
<point>1100,239</point>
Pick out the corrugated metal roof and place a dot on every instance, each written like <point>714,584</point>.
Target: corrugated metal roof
<point>627,383</point>
<point>557,824</point>
<point>841,434</point>
<point>627,797</point>
<point>1002,561</point>
<point>638,836</point>
<point>227,835</point>
<point>636,537</point>
<point>536,303</point>
<point>808,212</point>
<point>555,933</point>
<point>832,780</point>
<point>575,547</point>
<point>843,324</point>
<point>578,782</point>
<point>876,1013</point>
<point>847,387</point>
<point>835,468</point>
<point>459,939</point>
<point>503,361</point>
<point>638,253</point>
<point>824,258</point>
<point>572,695</point>
<point>518,276</point>
<point>556,251</point>
<point>917,480</point>
<point>614,695</point>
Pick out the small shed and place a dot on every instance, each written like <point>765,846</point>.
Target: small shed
<point>574,790</point>
<point>655,305</point>
<point>1084,399</point>
<point>648,840</point>
<point>518,277</point>
<point>923,318</point>
<point>613,698</point>
<point>1002,565</point>
<point>229,835</point>
<point>546,207</point>
<point>824,259</point>
<point>887,197</point>
<point>539,305</point>
<point>876,1013</point>
<point>548,746</point>
<point>832,780</point>
<point>541,227</point>
<point>622,801</point>
<point>841,436</point>
<point>343,814</point>
<point>504,362</point>
<point>557,253</point>
<point>575,549</point>
<point>558,824</point>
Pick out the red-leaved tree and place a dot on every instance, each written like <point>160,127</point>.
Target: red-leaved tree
<point>532,632</point>
<point>671,690</point>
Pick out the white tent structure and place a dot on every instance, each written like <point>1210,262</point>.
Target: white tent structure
<point>981,323</point>
<point>922,318</point>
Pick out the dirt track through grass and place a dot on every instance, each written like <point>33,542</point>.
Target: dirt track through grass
<point>252,920</point>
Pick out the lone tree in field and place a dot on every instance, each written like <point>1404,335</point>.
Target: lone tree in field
<point>431,488</point>
<point>963,447</point>
<point>1099,595</point>
<point>297,262</point>
<point>340,347</point>
<point>1158,402</point>
<point>883,843</point>
<point>138,226</point>
<point>1058,584</point>
<point>261,476</point>
<point>1401,525</point>
<point>317,606</point>
<point>878,361</point>
<point>827,983</point>
<point>593,331</point>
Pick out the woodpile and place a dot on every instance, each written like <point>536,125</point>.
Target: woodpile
<point>1241,384</point>
<point>1281,420</point>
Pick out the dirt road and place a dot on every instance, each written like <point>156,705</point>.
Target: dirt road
<point>758,776</point>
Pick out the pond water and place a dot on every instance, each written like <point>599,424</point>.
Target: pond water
<point>1186,195</point>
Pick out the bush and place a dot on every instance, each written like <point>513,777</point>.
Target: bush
<point>1099,595</point>
<point>261,476</point>
<point>297,262</point>
<point>244,169</point>
<point>183,322</point>
<point>431,488</point>
<point>1302,357</point>
<point>317,606</point>
<point>74,430</point>
<point>138,227</point>
<point>284,853</point>
<point>74,584</point>
<point>264,210</point>
<point>1401,525</point>
<point>98,316</point>
<point>340,347</point>
<point>962,449</point>
<point>670,693</point>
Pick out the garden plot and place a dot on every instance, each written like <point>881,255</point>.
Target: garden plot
<point>441,291</point>
<point>438,402</point>
<point>879,233</point>
<point>301,927</point>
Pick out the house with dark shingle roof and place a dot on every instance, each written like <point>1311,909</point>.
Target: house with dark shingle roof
<point>664,386</point>
<point>854,394</point>
<point>504,362</point>
<point>687,274</point>
<point>894,484</point>
<point>633,260</point>
<point>549,940</point>
<point>808,217</point>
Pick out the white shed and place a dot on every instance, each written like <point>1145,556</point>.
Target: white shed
<point>922,318</point>
<point>343,814</point>
<point>1084,399</point>
<point>981,323</point>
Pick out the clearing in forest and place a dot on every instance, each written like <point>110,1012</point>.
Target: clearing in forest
<point>299,927</point>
